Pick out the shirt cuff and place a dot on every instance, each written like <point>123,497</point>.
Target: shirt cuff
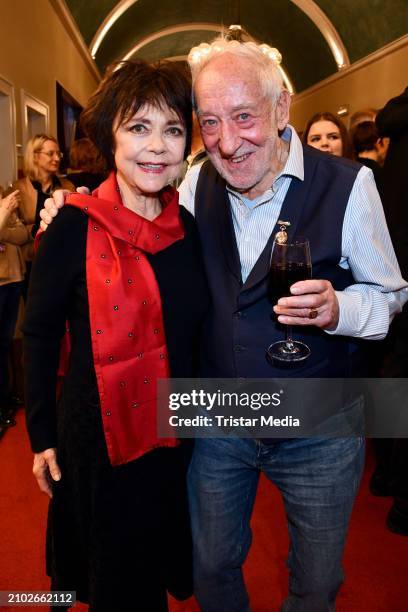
<point>349,314</point>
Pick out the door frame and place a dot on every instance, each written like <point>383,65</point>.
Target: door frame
<point>7,88</point>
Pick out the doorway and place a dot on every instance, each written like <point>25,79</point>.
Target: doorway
<point>8,134</point>
<point>35,116</point>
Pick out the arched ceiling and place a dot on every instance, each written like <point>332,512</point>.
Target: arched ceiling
<point>302,30</point>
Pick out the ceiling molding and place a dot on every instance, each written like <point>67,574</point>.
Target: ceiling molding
<point>71,27</point>
<point>183,27</point>
<point>191,27</point>
<point>327,29</point>
<point>365,61</point>
<point>107,23</point>
<point>308,7</point>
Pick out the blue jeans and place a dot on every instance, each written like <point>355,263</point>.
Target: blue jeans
<point>318,479</point>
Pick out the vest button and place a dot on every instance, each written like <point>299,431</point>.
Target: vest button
<point>238,348</point>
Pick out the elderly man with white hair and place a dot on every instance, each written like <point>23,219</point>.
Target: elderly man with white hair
<point>260,173</point>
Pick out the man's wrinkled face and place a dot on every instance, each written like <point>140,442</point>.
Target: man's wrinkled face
<point>239,125</point>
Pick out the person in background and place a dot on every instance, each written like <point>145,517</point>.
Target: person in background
<point>326,132</point>
<point>86,165</point>
<point>41,163</point>
<point>124,267</point>
<point>365,114</point>
<point>369,149</point>
<point>13,234</point>
<point>391,473</point>
<point>197,154</point>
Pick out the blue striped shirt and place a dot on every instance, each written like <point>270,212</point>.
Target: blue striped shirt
<point>366,307</point>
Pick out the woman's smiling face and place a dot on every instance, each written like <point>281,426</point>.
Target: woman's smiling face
<point>149,149</point>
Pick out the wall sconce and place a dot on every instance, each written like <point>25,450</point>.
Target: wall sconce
<point>343,111</point>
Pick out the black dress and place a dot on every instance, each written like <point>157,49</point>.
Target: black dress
<point>118,536</point>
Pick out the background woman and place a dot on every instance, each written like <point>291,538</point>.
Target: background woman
<point>328,133</point>
<point>41,163</point>
<point>124,267</point>
<point>13,234</point>
<point>86,165</point>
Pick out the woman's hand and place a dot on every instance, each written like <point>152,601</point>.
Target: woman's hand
<point>10,202</point>
<point>7,206</point>
<point>52,205</point>
<point>46,469</point>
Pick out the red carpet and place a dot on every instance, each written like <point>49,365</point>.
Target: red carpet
<point>376,560</point>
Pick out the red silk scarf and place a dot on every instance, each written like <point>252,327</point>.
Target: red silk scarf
<point>127,329</point>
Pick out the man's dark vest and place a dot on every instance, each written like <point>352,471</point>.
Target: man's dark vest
<point>241,324</point>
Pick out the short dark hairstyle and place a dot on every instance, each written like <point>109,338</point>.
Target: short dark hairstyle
<point>347,152</point>
<point>364,137</point>
<point>127,87</point>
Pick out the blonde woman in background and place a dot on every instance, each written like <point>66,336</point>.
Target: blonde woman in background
<point>41,163</point>
<point>13,234</point>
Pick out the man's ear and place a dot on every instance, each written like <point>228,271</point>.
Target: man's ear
<point>282,109</point>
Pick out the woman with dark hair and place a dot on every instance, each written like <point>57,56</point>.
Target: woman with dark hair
<point>124,268</point>
<point>86,165</point>
<point>328,133</point>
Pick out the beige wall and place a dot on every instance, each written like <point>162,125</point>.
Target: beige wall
<point>35,52</point>
<point>370,82</point>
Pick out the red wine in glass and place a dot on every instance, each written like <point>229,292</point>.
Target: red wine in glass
<point>290,263</point>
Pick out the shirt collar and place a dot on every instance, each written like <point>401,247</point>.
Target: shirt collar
<point>294,164</point>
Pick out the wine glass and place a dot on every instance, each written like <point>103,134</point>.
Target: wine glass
<point>290,262</point>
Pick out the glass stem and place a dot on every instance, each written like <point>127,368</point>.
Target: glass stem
<point>288,339</point>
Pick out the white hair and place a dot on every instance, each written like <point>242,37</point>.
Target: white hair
<point>264,58</point>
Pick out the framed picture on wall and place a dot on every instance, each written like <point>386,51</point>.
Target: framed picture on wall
<point>68,112</point>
